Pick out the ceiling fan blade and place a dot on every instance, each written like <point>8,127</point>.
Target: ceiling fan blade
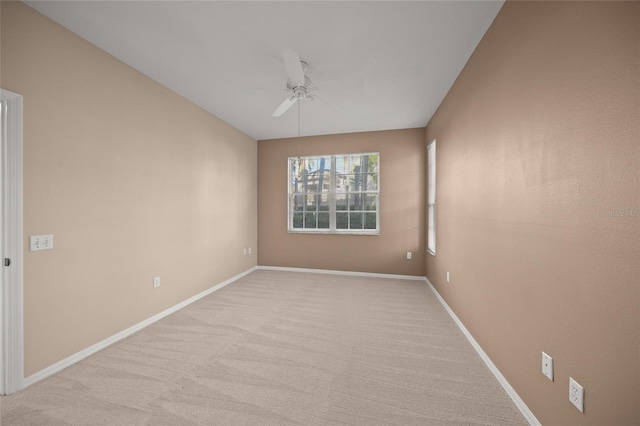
<point>326,102</point>
<point>293,67</point>
<point>284,106</point>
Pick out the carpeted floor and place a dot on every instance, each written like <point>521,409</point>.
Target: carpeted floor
<point>281,348</point>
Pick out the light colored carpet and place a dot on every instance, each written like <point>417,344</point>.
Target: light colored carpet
<point>281,348</point>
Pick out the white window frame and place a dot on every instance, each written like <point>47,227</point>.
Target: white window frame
<point>431,198</point>
<point>332,200</point>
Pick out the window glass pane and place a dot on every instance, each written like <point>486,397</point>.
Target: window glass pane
<point>310,174</point>
<point>319,174</point>
<point>298,202</point>
<point>370,201</point>
<point>323,220</point>
<point>317,202</point>
<point>344,182</point>
<point>299,174</point>
<point>356,163</point>
<point>372,164</point>
<point>342,164</point>
<point>431,172</point>
<point>294,164</point>
<point>342,221</point>
<point>431,230</point>
<point>310,221</point>
<point>355,202</point>
<point>322,202</point>
<point>354,182</point>
<point>370,182</point>
<point>430,220</point>
<point>355,220</point>
<point>297,220</point>
<point>311,203</point>
<point>341,201</point>
<point>370,221</point>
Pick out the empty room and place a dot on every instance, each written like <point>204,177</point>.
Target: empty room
<point>320,213</point>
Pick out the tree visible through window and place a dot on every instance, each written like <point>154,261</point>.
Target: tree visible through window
<point>334,193</point>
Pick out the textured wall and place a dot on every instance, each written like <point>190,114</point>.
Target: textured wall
<point>539,204</point>
<point>402,203</point>
<point>132,180</point>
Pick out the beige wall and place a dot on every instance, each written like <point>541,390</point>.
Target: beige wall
<point>538,150</point>
<point>402,203</point>
<point>131,179</point>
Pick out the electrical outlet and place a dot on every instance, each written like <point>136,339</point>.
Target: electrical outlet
<point>41,242</point>
<point>156,282</point>
<point>447,277</point>
<point>576,394</point>
<point>547,366</point>
<point>409,255</point>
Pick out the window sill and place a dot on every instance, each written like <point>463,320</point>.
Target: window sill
<point>327,232</point>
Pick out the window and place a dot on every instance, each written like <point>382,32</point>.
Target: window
<point>431,198</point>
<point>335,194</point>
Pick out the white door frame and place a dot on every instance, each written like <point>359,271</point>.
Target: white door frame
<point>11,291</point>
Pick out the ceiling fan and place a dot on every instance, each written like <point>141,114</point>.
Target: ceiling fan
<point>298,84</point>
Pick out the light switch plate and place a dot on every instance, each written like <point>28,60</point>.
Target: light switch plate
<point>547,366</point>
<point>41,242</point>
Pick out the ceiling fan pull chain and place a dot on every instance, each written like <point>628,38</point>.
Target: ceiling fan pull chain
<point>299,118</point>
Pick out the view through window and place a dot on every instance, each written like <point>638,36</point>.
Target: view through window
<point>335,193</point>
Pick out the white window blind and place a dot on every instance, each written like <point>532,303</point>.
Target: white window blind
<point>431,197</point>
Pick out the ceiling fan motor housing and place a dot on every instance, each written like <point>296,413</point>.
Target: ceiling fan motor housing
<point>300,92</point>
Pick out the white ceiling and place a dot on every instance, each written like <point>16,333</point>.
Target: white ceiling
<point>378,64</point>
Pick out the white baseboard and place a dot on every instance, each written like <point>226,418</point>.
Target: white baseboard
<point>334,272</point>
<point>526,412</point>
<point>60,365</point>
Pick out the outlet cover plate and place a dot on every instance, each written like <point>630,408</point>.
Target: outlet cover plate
<point>41,242</point>
<point>576,394</point>
<point>547,366</point>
